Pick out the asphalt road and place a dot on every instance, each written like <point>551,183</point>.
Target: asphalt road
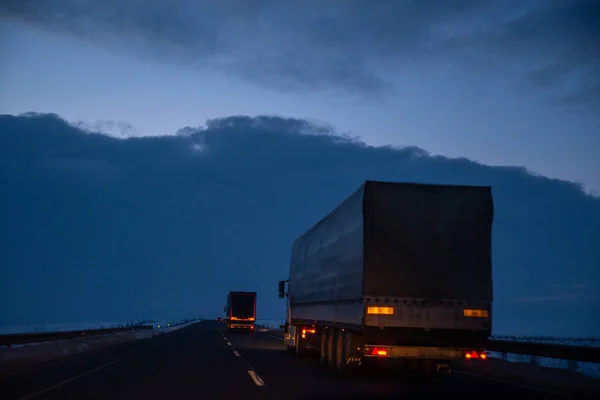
<point>203,362</point>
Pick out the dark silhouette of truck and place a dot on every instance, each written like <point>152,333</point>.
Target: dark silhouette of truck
<point>240,311</point>
<point>397,270</point>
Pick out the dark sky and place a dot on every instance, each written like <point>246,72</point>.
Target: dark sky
<point>351,45</point>
<point>96,228</point>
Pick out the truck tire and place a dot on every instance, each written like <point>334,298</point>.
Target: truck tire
<point>343,342</point>
<point>340,353</point>
<point>331,334</point>
<point>323,352</point>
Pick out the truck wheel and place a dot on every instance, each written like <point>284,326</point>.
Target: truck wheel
<point>342,352</point>
<point>299,348</point>
<point>434,368</point>
<point>323,352</point>
<point>331,348</point>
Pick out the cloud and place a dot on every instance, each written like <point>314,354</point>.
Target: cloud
<point>117,129</point>
<point>539,298</point>
<point>553,43</point>
<point>355,46</point>
<point>102,228</point>
<point>560,297</point>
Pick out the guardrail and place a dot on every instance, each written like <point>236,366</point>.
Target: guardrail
<point>185,322</point>
<point>549,350</point>
<point>35,337</point>
<point>24,338</point>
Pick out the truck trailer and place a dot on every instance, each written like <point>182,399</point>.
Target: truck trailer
<point>240,311</point>
<point>397,271</point>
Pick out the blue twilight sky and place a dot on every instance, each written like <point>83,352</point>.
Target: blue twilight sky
<point>503,83</point>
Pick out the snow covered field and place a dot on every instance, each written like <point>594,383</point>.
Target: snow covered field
<point>270,323</point>
<point>585,368</point>
<point>571,341</point>
<point>42,328</point>
<point>19,356</point>
<point>589,369</point>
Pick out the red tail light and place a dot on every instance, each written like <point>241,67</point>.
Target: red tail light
<point>379,351</point>
<point>474,354</point>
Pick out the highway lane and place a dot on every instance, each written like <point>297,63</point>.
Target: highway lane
<point>190,363</point>
<point>203,362</point>
<point>282,371</point>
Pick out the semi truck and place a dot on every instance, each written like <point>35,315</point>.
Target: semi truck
<point>398,271</point>
<point>240,311</point>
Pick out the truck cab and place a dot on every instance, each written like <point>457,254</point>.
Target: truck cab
<point>289,330</point>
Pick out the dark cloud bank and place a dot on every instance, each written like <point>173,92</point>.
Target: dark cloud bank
<point>348,45</point>
<point>98,228</point>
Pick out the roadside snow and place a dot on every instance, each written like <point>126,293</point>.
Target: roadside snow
<point>19,356</point>
<point>44,328</point>
<point>589,369</point>
<point>41,328</point>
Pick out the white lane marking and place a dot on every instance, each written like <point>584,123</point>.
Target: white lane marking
<point>59,384</point>
<point>256,378</point>
<point>235,353</point>
<point>224,338</point>
<point>228,343</point>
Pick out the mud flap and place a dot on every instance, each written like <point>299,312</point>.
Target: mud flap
<point>353,361</point>
<point>353,351</point>
<point>443,368</point>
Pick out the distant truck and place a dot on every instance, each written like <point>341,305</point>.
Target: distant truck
<point>240,311</point>
<point>397,271</point>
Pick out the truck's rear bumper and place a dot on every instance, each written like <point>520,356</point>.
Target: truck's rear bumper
<point>236,326</point>
<point>431,353</point>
